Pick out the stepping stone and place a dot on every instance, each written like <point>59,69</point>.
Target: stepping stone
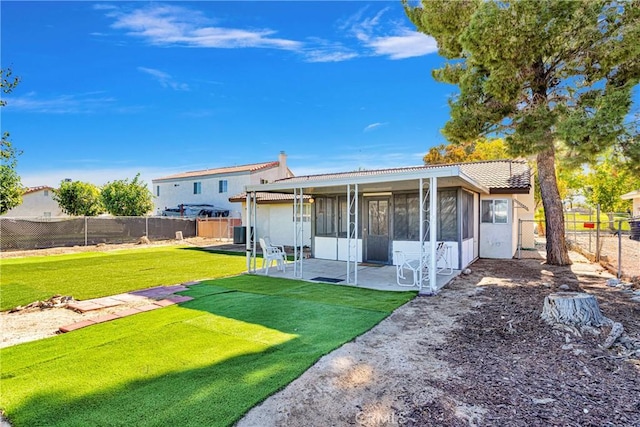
<point>164,302</point>
<point>105,318</point>
<point>176,288</point>
<point>106,301</point>
<point>75,326</point>
<point>127,312</point>
<point>128,297</point>
<point>84,306</point>
<point>148,307</point>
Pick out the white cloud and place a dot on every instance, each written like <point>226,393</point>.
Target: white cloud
<point>61,104</point>
<point>373,126</point>
<point>388,38</point>
<point>164,79</point>
<point>405,45</point>
<point>168,25</point>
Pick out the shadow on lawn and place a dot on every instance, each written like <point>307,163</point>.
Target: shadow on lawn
<point>219,393</point>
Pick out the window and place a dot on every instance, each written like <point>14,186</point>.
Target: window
<point>157,191</point>
<point>46,193</point>
<point>448,215</point>
<point>197,188</point>
<point>406,219</point>
<point>306,213</point>
<point>264,181</point>
<point>325,216</point>
<point>46,215</point>
<point>467,215</point>
<point>495,211</point>
<point>222,186</point>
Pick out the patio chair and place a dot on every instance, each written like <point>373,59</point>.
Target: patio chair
<point>410,263</point>
<point>272,253</point>
<point>443,254</point>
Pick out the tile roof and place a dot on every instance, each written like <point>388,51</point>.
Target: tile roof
<point>38,188</point>
<point>224,170</point>
<point>494,174</point>
<point>263,197</point>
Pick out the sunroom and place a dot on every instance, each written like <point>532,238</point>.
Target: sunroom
<point>372,216</point>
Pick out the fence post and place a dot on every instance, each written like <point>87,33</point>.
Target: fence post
<point>619,249</point>
<point>519,238</point>
<point>146,226</point>
<point>598,233</point>
<point>86,232</point>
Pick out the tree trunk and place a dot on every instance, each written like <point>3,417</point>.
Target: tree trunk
<point>557,253</point>
<point>574,309</point>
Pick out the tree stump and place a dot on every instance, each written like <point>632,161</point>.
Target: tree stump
<point>574,309</point>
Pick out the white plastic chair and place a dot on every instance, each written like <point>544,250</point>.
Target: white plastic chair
<point>406,263</point>
<point>272,253</point>
<point>443,254</point>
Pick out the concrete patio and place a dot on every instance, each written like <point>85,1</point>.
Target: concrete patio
<point>370,276</point>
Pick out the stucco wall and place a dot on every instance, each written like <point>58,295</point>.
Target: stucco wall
<point>178,191</point>
<point>496,240</point>
<point>276,221</point>
<point>37,204</point>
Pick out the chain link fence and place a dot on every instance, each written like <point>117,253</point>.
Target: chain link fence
<point>39,233</point>
<point>611,239</point>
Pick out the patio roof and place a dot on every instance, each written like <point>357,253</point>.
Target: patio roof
<point>499,176</point>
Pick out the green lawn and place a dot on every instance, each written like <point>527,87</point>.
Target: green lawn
<point>203,363</point>
<point>98,274</point>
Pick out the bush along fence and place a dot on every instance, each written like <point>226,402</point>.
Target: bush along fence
<point>611,239</point>
<point>25,233</point>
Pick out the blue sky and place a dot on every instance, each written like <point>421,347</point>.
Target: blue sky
<point>110,89</point>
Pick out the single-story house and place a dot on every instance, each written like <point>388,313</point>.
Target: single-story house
<point>37,202</point>
<point>366,216</point>
<point>635,196</point>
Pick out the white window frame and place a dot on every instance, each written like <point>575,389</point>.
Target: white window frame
<point>223,186</point>
<point>493,203</point>
<point>197,187</point>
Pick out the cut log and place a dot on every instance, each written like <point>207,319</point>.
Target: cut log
<point>574,309</point>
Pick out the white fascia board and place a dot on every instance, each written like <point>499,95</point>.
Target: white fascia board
<point>319,182</point>
<point>631,195</point>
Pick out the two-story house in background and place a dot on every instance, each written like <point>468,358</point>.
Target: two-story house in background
<point>215,186</point>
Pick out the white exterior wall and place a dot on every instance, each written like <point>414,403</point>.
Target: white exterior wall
<point>496,240</point>
<point>334,248</point>
<point>636,207</point>
<point>276,221</point>
<point>180,191</point>
<point>527,216</point>
<point>37,204</point>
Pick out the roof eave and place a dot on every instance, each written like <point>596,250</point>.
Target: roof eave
<point>320,182</point>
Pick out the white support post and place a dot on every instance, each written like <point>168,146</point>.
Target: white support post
<point>355,232</point>
<point>433,218</point>
<point>421,227</point>
<point>298,231</point>
<point>352,232</point>
<point>247,242</point>
<point>254,196</point>
<point>295,232</point>
<point>300,225</point>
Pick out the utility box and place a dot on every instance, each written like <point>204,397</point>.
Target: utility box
<point>240,235</point>
<point>635,229</point>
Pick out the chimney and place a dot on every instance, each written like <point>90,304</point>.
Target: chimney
<point>282,166</point>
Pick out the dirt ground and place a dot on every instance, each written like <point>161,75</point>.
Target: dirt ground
<point>476,354</point>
